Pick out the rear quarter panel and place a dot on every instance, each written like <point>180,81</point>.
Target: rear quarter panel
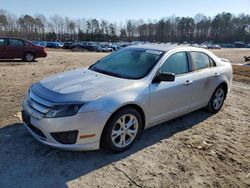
<point>226,72</point>
<point>38,51</point>
<point>224,67</point>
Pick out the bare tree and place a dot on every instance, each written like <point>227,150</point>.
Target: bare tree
<point>224,27</point>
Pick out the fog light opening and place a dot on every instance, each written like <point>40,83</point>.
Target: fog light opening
<point>68,137</point>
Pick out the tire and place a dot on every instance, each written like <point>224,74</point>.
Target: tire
<point>117,136</point>
<point>217,99</point>
<point>29,57</point>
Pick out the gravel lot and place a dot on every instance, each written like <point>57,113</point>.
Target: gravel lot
<point>197,150</point>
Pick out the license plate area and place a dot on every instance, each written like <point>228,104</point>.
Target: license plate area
<point>26,120</point>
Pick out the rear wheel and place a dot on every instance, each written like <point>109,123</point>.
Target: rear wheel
<point>29,57</point>
<point>122,130</point>
<point>217,99</point>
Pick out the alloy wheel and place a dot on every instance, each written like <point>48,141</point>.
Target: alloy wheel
<point>29,57</point>
<point>124,130</point>
<point>218,98</point>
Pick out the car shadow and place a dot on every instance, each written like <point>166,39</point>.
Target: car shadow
<point>15,61</point>
<point>27,163</point>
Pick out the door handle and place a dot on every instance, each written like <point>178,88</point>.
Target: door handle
<point>188,82</point>
<point>216,74</point>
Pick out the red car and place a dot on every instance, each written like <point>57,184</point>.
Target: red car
<point>11,48</point>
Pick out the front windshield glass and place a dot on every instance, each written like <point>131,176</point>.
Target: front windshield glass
<point>131,63</point>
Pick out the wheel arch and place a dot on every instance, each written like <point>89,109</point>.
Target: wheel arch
<point>138,108</point>
<point>209,106</point>
<point>131,105</point>
<point>224,85</point>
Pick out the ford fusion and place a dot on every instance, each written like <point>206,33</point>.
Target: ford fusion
<point>109,104</point>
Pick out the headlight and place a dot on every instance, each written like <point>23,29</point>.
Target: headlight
<point>63,110</point>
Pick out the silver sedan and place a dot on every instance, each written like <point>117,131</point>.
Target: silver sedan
<point>110,103</point>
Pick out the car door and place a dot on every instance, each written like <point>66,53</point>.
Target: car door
<point>204,76</point>
<point>15,48</point>
<point>171,99</point>
<point>3,44</point>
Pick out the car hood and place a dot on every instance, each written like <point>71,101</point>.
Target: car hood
<point>79,85</point>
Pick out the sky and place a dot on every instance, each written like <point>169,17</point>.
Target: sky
<point>122,10</point>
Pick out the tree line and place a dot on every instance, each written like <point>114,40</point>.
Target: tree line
<point>223,28</point>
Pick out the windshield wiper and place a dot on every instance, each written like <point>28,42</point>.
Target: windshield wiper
<point>104,71</point>
<point>93,68</point>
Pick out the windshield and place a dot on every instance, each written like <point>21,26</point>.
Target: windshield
<point>131,63</point>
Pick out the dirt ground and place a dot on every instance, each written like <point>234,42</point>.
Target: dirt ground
<point>196,150</point>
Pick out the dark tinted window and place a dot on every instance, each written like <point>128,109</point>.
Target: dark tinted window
<point>128,63</point>
<point>15,42</point>
<point>176,63</point>
<point>2,42</point>
<point>200,60</point>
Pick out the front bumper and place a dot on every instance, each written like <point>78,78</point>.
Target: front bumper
<point>88,124</point>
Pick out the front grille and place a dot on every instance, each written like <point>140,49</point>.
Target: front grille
<point>36,131</point>
<point>37,106</point>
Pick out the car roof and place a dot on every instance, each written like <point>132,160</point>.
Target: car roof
<point>13,38</point>
<point>163,47</point>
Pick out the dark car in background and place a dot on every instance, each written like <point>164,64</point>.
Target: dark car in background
<point>68,45</point>
<point>11,48</point>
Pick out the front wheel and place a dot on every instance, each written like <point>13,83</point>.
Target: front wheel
<point>29,57</point>
<point>122,130</point>
<point>217,100</point>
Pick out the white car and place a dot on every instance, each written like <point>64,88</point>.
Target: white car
<point>110,103</point>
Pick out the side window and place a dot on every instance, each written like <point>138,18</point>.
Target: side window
<point>15,42</point>
<point>200,60</point>
<point>2,42</point>
<point>212,63</point>
<point>176,63</point>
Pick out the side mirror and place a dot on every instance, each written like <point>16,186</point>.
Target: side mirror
<point>164,77</point>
